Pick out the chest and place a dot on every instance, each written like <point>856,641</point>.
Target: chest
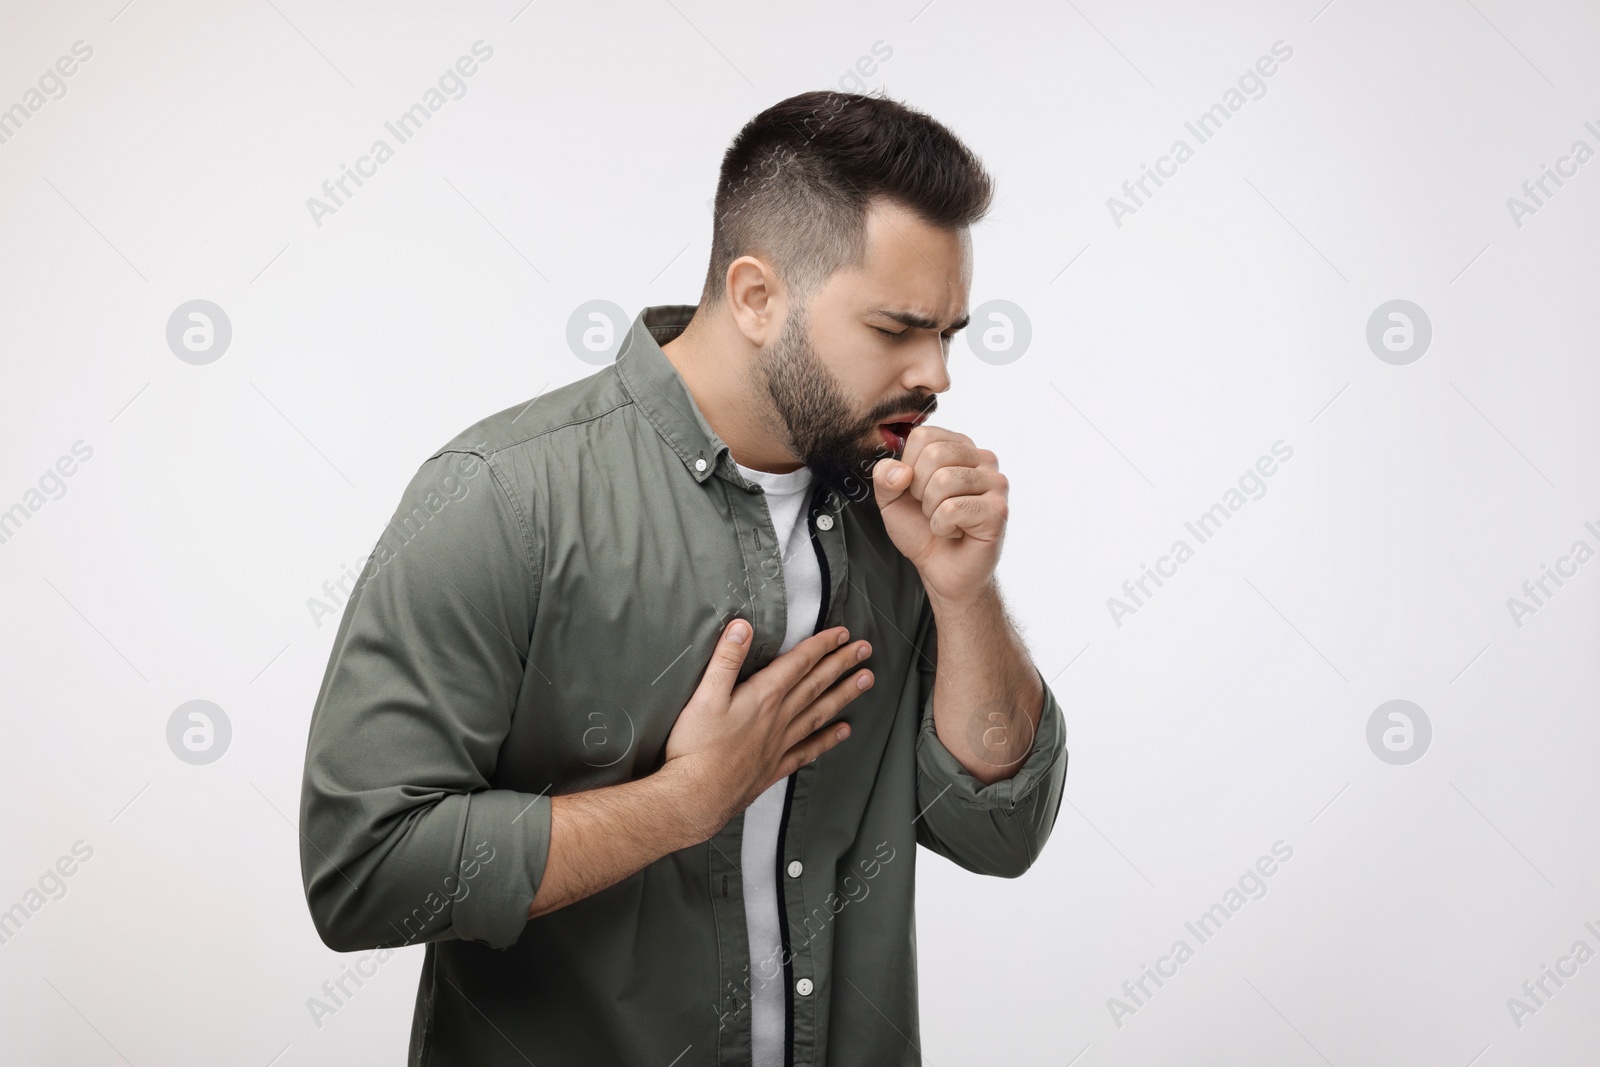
<point>631,602</point>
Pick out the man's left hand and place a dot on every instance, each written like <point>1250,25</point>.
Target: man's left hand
<point>950,517</point>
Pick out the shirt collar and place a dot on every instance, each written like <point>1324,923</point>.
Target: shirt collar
<point>659,390</point>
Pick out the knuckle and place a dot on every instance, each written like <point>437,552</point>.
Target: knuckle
<point>820,677</point>
<point>845,661</point>
<point>819,647</point>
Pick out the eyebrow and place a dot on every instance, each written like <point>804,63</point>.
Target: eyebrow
<point>911,318</point>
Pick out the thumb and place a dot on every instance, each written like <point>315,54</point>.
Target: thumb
<point>890,478</point>
<point>726,659</point>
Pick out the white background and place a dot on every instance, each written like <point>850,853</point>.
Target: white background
<point>1227,313</point>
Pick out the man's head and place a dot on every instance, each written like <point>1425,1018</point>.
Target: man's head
<point>841,255</point>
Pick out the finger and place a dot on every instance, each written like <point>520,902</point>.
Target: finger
<point>822,676</point>
<point>924,435</point>
<point>939,454</point>
<point>947,482</point>
<point>982,517</point>
<point>726,659</point>
<point>890,478</point>
<point>777,678</point>
<point>809,749</point>
<point>823,710</point>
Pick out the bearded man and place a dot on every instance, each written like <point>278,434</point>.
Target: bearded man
<point>654,685</point>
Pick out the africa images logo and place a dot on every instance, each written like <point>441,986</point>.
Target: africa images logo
<point>451,85</point>
<point>1205,126</point>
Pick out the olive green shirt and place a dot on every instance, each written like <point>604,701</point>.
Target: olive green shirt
<point>531,622</point>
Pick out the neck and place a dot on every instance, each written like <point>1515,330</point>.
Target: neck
<point>716,363</point>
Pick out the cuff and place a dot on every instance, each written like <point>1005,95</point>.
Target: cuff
<point>503,854</point>
<point>942,768</point>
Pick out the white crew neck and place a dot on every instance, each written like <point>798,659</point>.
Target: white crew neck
<point>790,482</point>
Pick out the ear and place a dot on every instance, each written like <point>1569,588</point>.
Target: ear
<point>755,300</point>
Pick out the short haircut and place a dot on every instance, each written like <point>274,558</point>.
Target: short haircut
<point>797,182</point>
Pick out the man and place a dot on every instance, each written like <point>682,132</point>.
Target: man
<point>600,726</point>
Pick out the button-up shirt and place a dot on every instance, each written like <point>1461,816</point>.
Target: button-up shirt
<point>531,623</point>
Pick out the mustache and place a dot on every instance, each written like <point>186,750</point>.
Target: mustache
<point>913,401</point>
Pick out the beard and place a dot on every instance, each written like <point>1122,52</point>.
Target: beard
<point>821,425</point>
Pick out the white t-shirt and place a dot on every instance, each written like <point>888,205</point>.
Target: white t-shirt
<point>786,496</point>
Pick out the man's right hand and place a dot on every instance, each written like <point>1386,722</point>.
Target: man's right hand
<point>731,741</point>
<point>735,739</point>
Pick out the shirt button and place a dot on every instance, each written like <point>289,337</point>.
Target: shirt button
<point>699,464</point>
<point>803,987</point>
<point>824,522</point>
<point>795,867</point>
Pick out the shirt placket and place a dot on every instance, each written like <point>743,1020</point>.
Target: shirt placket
<point>762,602</point>
<point>757,595</point>
<point>807,987</point>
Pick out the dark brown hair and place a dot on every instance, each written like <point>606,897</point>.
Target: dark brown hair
<point>797,181</point>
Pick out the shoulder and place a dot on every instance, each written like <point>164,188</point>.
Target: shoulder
<point>530,425</point>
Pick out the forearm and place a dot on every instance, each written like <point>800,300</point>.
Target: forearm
<point>601,836</point>
<point>987,696</point>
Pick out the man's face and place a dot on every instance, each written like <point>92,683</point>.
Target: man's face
<point>861,361</point>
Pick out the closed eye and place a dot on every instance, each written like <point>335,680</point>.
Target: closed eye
<point>901,333</point>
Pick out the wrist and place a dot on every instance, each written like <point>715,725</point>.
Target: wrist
<point>952,607</point>
<point>686,799</point>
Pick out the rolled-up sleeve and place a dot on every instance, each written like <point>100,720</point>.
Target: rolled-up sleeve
<point>995,829</point>
<point>402,840</point>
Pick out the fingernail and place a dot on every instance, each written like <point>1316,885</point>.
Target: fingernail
<point>843,732</point>
<point>844,635</point>
<point>898,475</point>
<point>863,652</point>
<point>864,680</point>
<point>738,632</point>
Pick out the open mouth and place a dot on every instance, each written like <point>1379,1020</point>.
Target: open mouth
<point>894,434</point>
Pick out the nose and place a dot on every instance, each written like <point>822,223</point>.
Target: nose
<point>929,369</point>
